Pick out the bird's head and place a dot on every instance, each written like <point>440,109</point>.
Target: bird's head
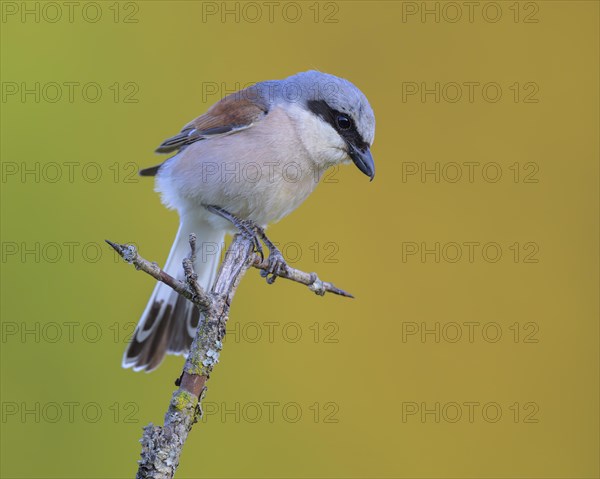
<point>337,123</point>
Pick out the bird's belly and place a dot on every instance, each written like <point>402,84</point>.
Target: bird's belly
<point>278,201</point>
<point>278,192</point>
<point>262,184</point>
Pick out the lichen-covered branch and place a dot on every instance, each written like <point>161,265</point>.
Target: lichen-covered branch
<point>162,445</point>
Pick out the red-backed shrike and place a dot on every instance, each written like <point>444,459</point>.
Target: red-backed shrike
<point>256,154</point>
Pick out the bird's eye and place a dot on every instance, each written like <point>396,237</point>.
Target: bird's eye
<point>343,122</point>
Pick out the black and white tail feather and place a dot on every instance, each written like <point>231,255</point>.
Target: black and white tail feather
<point>169,322</point>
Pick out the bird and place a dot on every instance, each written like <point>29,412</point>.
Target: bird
<point>255,156</point>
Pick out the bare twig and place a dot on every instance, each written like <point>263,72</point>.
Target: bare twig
<point>162,445</point>
<point>129,253</point>
<point>309,279</point>
<point>199,296</point>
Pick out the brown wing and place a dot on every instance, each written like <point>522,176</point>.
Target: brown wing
<point>235,112</point>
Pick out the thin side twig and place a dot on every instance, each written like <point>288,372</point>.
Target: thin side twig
<point>130,254</point>
<point>308,279</point>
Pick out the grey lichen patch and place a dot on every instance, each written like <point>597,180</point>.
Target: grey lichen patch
<point>159,460</point>
<point>201,360</point>
<point>130,253</point>
<point>212,356</point>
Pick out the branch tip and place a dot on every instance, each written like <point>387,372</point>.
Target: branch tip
<point>117,247</point>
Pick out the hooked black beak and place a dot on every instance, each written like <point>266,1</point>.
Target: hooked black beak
<point>363,159</point>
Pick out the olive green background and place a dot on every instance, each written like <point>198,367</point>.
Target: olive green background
<point>356,383</point>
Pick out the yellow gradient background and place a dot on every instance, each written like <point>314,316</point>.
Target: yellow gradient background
<point>356,384</point>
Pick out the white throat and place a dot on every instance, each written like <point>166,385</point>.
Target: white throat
<point>324,145</point>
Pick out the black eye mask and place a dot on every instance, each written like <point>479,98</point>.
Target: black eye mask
<point>350,135</point>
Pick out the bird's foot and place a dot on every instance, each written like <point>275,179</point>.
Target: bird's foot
<point>277,264</point>
<point>249,229</point>
<point>246,227</point>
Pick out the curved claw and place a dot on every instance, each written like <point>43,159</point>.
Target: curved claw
<point>277,265</point>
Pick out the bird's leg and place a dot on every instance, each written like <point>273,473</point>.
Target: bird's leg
<point>277,262</point>
<point>246,227</point>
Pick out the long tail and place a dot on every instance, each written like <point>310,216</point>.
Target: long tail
<point>168,324</point>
